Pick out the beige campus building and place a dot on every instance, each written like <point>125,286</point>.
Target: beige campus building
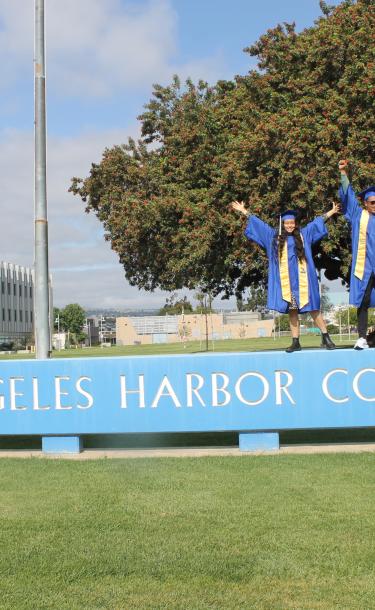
<point>192,327</point>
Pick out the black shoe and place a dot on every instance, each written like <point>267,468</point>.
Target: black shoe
<point>295,347</point>
<point>327,342</point>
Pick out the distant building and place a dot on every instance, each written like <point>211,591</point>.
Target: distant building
<point>16,302</point>
<point>191,327</point>
<point>91,329</point>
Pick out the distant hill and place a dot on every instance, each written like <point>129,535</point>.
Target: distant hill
<point>117,313</point>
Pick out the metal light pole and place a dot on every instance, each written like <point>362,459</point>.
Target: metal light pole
<point>41,289</point>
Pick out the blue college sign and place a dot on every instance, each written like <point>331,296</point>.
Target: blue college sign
<point>267,391</point>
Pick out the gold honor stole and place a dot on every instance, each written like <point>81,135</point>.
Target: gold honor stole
<point>361,250</point>
<point>285,279</point>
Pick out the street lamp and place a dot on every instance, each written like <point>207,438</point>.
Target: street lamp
<point>57,321</point>
<point>88,329</point>
<point>102,319</point>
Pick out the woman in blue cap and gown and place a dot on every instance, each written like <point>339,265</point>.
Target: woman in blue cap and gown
<point>292,279</point>
<point>362,274</point>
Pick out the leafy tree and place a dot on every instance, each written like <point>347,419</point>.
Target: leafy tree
<point>204,302</point>
<point>72,318</point>
<point>256,300</point>
<point>282,322</point>
<point>272,136</point>
<point>174,307</point>
<point>341,316</point>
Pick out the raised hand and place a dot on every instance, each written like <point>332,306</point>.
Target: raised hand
<point>239,206</point>
<point>343,165</point>
<point>336,208</point>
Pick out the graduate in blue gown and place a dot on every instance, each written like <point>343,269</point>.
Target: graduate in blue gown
<point>362,274</point>
<point>292,279</point>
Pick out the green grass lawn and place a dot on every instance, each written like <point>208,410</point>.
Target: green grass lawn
<point>190,347</point>
<point>282,532</point>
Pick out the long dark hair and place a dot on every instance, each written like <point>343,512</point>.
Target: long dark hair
<point>280,241</point>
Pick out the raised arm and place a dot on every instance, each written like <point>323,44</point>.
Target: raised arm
<point>349,203</point>
<point>256,229</point>
<point>344,180</point>
<point>315,230</point>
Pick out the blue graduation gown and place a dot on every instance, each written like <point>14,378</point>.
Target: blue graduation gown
<point>352,211</point>
<point>264,235</point>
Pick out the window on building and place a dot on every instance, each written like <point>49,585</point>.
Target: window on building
<point>9,315</point>
<point>20,290</point>
<point>8,287</point>
<point>25,291</point>
<point>15,315</point>
<point>2,287</point>
<point>31,317</point>
<point>3,314</point>
<point>21,317</point>
<point>26,317</point>
<point>31,292</point>
<point>14,290</point>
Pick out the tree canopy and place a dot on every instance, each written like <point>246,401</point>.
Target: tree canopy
<point>272,137</point>
<point>71,318</point>
<point>174,306</point>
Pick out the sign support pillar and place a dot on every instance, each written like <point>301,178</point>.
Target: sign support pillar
<point>259,441</point>
<point>62,444</point>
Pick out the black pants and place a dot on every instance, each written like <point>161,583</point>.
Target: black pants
<point>362,311</point>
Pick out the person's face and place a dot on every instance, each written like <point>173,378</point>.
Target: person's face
<point>290,225</point>
<point>370,204</point>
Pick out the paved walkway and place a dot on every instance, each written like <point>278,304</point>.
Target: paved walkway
<point>94,454</point>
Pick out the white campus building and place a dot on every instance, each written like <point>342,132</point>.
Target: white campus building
<point>16,301</point>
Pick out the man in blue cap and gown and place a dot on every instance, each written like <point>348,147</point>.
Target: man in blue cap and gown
<point>292,279</point>
<point>362,274</point>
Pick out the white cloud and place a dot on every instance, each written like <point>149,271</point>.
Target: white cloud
<point>84,267</point>
<point>94,48</point>
<point>98,47</point>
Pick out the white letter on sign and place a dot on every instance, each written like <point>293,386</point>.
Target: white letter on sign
<point>356,381</point>
<point>190,390</point>
<point>36,405</point>
<point>13,394</point>
<point>266,388</point>
<point>90,400</point>
<point>165,384</point>
<point>216,389</point>
<point>325,385</point>
<point>59,393</point>
<point>124,392</point>
<point>283,388</point>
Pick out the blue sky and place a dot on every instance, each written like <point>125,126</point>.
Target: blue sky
<point>102,59</point>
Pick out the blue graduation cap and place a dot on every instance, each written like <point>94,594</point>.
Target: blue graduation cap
<point>369,192</point>
<point>290,215</point>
